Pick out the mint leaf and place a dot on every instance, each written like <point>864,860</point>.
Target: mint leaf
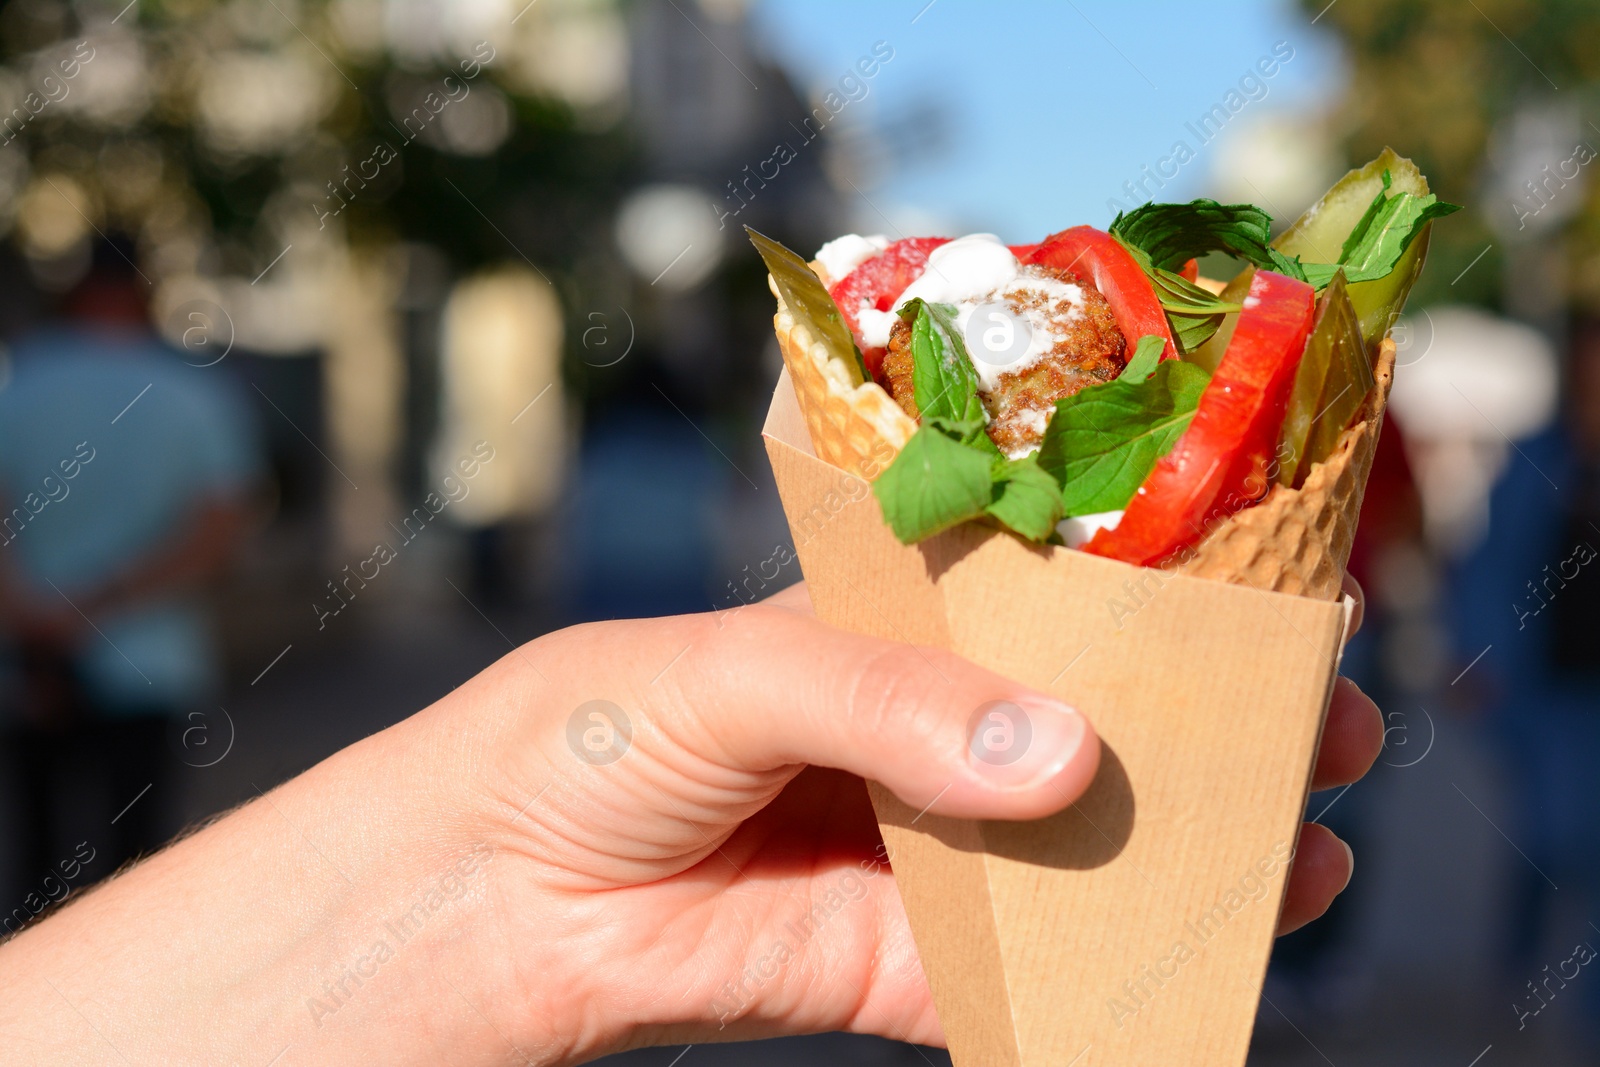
<point>1146,357</point>
<point>1193,313</point>
<point>945,383</point>
<point>1103,442</point>
<point>809,303</point>
<point>1026,498</point>
<point>1173,234</point>
<point>1169,235</point>
<point>950,472</point>
<point>1381,237</point>
<point>936,481</point>
<point>1363,224</point>
<point>1189,332</point>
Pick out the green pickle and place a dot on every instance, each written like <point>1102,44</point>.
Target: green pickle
<point>810,303</point>
<point>1336,372</point>
<point>1208,355</point>
<point>1334,378</point>
<point>1318,237</point>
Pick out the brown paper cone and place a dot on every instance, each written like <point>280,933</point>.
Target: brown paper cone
<point>1133,928</point>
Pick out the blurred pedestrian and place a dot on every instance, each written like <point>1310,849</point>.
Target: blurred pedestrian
<point>1527,603</point>
<point>125,476</point>
<point>1321,969</point>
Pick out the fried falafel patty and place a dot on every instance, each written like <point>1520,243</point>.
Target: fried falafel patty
<point>1072,341</point>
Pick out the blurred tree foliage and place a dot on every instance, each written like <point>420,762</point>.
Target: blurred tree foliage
<point>212,131</point>
<point>1436,79</point>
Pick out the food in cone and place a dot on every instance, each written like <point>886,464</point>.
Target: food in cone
<point>1042,425</point>
<point>1089,390</point>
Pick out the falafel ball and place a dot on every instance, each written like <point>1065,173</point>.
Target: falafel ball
<point>1082,346</point>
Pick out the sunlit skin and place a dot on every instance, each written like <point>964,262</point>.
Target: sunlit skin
<point>605,905</point>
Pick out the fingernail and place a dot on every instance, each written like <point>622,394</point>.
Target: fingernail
<point>1350,858</point>
<point>1019,744</point>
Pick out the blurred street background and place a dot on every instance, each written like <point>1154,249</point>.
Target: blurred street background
<point>348,344</point>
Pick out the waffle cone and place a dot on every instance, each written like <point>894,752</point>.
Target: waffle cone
<point>1296,541</point>
<point>850,425</point>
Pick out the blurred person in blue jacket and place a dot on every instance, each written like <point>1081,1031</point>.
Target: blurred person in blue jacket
<point>1527,604</point>
<point>125,481</point>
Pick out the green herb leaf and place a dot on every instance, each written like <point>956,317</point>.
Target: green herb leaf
<point>1381,237</point>
<point>936,482</point>
<point>1324,229</point>
<point>1193,313</point>
<point>1173,234</point>
<point>942,376</point>
<point>810,304</point>
<point>1359,230</point>
<point>1384,244</point>
<point>1103,442</point>
<point>1026,498</point>
<point>1178,293</point>
<point>971,432</point>
<point>1146,357</point>
<point>1189,332</point>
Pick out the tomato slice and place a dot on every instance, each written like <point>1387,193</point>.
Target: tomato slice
<point>1191,270</point>
<point>1118,276</point>
<point>877,283</point>
<point>1223,461</point>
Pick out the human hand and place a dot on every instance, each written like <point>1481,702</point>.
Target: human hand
<point>483,884</point>
<point>651,879</point>
<point>1352,738</point>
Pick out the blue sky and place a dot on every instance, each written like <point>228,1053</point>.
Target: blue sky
<point>1051,106</point>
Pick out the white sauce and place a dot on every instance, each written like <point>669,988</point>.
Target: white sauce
<point>1035,419</point>
<point>1080,529</point>
<point>844,254</point>
<point>960,272</point>
<point>969,272</point>
<point>1041,325</point>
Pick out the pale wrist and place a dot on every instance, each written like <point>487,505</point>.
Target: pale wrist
<point>342,916</point>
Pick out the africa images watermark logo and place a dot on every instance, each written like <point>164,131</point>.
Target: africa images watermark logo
<point>1253,887</point>
<point>740,992</point>
<point>1000,733</point>
<point>1252,87</point>
<point>599,732</point>
<point>55,490</point>
<point>853,86</point>
<point>452,490</point>
<point>396,932</point>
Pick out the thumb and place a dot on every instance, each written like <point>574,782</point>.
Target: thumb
<point>774,688</point>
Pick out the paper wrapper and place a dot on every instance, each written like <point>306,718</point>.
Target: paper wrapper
<point>1134,927</point>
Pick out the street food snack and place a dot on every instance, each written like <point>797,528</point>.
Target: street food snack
<point>1090,391</point>
<point>1081,465</point>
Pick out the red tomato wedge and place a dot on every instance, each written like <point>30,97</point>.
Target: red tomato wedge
<point>1191,270</point>
<point>1222,463</point>
<point>1096,254</point>
<point>878,283</point>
